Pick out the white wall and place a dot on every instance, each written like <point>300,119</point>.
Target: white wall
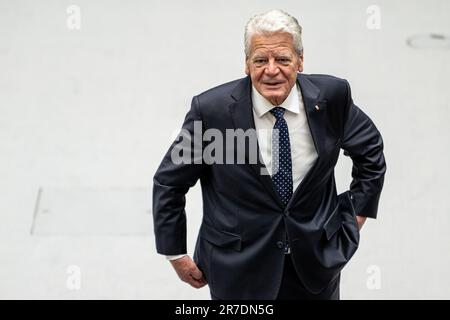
<point>97,107</point>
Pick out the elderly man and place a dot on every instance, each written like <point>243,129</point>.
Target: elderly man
<point>274,228</point>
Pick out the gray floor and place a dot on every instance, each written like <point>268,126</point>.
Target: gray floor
<point>86,115</point>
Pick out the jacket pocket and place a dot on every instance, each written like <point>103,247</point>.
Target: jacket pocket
<point>333,223</point>
<point>220,238</point>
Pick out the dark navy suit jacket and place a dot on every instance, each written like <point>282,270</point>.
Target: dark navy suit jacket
<point>240,243</point>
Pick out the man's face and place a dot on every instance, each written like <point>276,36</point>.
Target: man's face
<point>272,65</point>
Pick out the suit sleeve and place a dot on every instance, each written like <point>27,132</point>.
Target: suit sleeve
<point>179,170</point>
<point>363,143</point>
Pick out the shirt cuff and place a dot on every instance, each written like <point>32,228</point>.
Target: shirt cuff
<point>175,257</point>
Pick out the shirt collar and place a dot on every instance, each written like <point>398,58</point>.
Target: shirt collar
<point>261,105</point>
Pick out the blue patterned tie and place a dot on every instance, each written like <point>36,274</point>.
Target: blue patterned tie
<point>281,157</point>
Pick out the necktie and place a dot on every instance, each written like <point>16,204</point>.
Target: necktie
<point>281,156</point>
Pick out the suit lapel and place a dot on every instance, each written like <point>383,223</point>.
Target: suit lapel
<point>242,116</point>
<point>315,114</point>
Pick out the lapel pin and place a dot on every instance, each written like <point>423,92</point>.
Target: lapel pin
<point>317,107</point>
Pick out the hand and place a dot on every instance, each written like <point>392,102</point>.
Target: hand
<point>188,272</point>
<point>361,221</point>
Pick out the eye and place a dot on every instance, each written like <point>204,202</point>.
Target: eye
<point>259,61</point>
<point>284,60</point>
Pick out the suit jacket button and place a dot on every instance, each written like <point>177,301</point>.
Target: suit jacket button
<point>280,244</point>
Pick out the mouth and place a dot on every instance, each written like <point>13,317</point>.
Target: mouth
<point>273,84</point>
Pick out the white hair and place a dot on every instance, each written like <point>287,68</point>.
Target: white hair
<point>272,22</point>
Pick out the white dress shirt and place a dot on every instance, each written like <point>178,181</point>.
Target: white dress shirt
<point>303,151</point>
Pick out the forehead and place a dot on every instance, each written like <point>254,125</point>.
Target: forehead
<point>277,42</point>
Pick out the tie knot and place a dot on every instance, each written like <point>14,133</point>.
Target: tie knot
<point>278,112</point>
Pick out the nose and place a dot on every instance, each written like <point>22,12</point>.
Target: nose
<point>272,68</point>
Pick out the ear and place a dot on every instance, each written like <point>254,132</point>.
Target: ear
<point>300,63</point>
<point>247,70</point>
